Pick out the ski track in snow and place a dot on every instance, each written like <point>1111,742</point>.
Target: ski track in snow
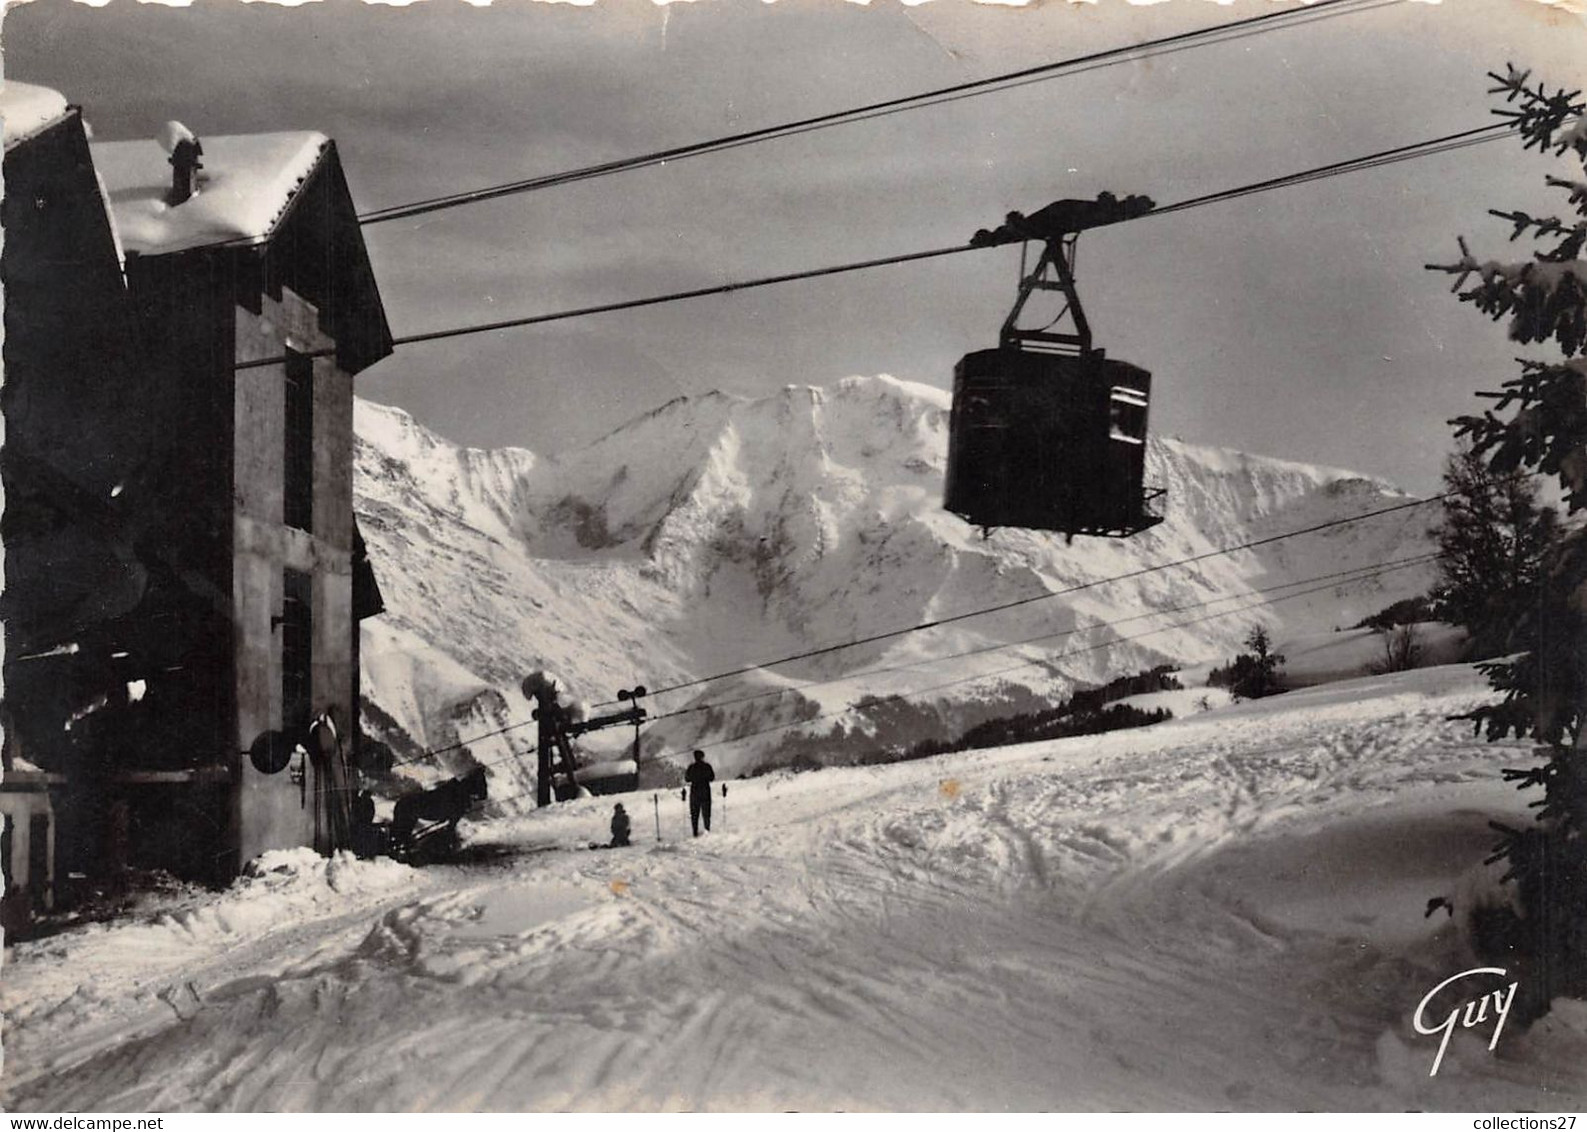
<point>1218,912</point>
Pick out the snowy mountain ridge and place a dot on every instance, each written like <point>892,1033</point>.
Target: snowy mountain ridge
<point>719,531</point>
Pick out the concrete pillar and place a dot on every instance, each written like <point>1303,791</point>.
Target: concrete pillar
<point>21,844</point>
<point>49,861</point>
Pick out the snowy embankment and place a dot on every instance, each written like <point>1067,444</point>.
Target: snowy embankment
<point>1223,911</point>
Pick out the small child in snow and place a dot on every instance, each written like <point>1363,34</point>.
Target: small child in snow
<point>620,827</point>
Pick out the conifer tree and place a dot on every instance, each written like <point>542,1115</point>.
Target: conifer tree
<point>1491,546</point>
<point>1251,675</point>
<point>1260,677</point>
<point>1537,424</point>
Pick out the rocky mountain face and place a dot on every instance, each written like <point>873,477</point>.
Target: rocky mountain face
<point>717,533</point>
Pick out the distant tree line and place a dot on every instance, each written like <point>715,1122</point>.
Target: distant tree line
<point>1089,711</point>
<point>1407,611</point>
<point>1037,726</point>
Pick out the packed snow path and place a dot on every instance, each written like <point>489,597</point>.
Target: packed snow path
<point>1219,912</point>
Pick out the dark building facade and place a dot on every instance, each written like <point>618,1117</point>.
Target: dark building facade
<point>202,707</point>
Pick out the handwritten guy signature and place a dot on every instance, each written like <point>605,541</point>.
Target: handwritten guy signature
<point>1475,1013</point>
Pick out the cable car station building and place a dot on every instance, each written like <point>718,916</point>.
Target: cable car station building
<point>185,578</point>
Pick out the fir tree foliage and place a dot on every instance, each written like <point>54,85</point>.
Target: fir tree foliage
<point>1253,675</point>
<point>1537,423</point>
<point>1491,547</point>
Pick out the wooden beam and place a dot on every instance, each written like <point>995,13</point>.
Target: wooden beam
<point>172,777</point>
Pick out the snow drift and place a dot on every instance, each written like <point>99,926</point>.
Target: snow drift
<point>1220,912</point>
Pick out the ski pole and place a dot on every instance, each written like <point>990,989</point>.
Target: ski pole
<point>656,801</point>
<point>724,807</point>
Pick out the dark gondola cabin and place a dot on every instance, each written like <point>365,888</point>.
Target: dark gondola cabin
<point>1049,442</point>
<point>1047,433</point>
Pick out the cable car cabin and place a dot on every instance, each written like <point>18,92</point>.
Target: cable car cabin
<point>1053,442</point>
<point>1048,433</point>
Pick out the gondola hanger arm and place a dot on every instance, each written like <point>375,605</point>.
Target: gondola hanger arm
<point>1063,218</point>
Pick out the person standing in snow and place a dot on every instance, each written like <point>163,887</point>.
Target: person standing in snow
<point>620,827</point>
<point>699,777</point>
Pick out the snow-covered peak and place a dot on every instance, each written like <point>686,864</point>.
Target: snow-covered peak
<point>246,184</point>
<point>27,110</point>
<point>394,429</point>
<point>886,385</point>
<point>480,487</point>
<point>1234,463</point>
<point>718,531</point>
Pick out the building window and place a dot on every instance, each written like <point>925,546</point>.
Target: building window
<point>298,495</point>
<point>297,649</point>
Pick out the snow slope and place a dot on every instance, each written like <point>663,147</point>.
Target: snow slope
<point>718,531</point>
<point>1219,912</point>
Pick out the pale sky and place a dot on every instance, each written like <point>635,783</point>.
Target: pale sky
<point>1298,323</point>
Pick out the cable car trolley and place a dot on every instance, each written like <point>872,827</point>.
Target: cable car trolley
<point>1047,433</point>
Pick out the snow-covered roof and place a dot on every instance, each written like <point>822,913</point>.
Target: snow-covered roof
<point>27,109</point>
<point>245,186</point>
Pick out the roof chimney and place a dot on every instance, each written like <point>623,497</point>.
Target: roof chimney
<point>185,150</point>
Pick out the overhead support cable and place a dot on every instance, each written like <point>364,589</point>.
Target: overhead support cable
<point>1270,596</point>
<point>900,697</point>
<point>1337,578</point>
<point>1236,29</point>
<point>1370,161</point>
<point>1047,595</point>
<point>1459,140</point>
<point>997,609</point>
